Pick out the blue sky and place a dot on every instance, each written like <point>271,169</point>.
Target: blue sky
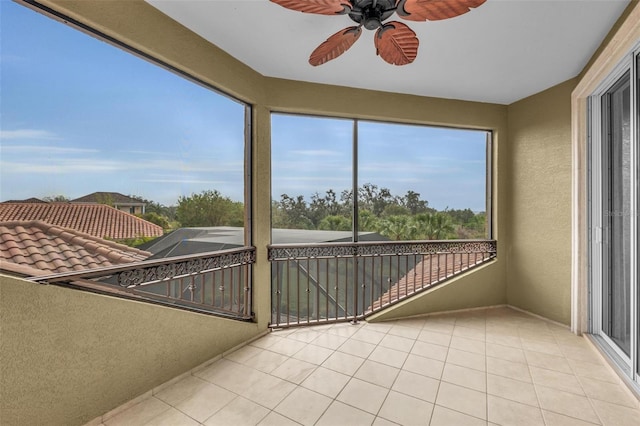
<point>79,115</point>
<point>446,166</point>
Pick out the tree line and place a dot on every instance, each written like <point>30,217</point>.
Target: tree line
<point>404,217</point>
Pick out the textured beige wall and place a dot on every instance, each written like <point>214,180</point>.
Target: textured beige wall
<point>68,356</point>
<point>261,230</point>
<point>300,97</point>
<point>539,203</point>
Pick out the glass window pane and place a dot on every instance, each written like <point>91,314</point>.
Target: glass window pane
<point>81,117</point>
<point>419,182</point>
<point>617,286</point>
<point>311,166</point>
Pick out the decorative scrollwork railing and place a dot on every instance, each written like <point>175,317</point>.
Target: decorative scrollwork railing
<point>213,282</point>
<point>316,283</point>
<point>147,274</point>
<point>303,251</point>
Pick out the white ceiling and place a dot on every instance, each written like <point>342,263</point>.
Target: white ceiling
<point>500,52</point>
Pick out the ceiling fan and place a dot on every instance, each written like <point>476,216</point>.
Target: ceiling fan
<point>395,42</point>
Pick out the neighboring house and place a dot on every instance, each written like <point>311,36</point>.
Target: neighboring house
<point>97,220</point>
<point>114,199</point>
<point>35,248</point>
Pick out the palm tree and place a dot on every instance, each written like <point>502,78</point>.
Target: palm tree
<point>433,226</point>
<point>397,228</point>
<point>335,223</point>
<point>367,221</point>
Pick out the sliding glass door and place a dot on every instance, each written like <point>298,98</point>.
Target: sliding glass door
<point>614,193</point>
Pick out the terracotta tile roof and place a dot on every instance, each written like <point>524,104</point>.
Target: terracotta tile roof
<point>431,270</point>
<point>98,220</point>
<point>101,197</point>
<point>38,248</point>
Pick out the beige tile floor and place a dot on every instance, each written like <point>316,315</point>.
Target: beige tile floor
<point>484,367</point>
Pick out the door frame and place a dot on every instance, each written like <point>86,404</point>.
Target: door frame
<point>596,184</point>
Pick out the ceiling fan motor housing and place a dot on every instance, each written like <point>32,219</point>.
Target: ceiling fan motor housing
<point>371,13</point>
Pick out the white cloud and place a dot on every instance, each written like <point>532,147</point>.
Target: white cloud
<point>193,167</point>
<point>408,180</point>
<point>59,160</point>
<point>185,180</point>
<point>27,134</point>
<point>43,149</point>
<point>60,167</point>
<point>384,169</point>
<point>310,179</point>
<point>318,153</point>
<point>151,153</point>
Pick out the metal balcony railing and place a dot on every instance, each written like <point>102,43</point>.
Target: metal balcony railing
<point>320,283</point>
<point>214,282</point>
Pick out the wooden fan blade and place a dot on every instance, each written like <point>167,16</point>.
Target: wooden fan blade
<point>320,7</point>
<point>434,10</point>
<point>396,43</point>
<point>335,46</point>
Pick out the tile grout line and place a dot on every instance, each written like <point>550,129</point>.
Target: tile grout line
<point>486,372</point>
<point>296,385</point>
<point>535,387</point>
<point>333,399</point>
<point>435,404</point>
<point>352,376</point>
<point>299,385</point>
<point>400,369</point>
<point>389,389</point>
